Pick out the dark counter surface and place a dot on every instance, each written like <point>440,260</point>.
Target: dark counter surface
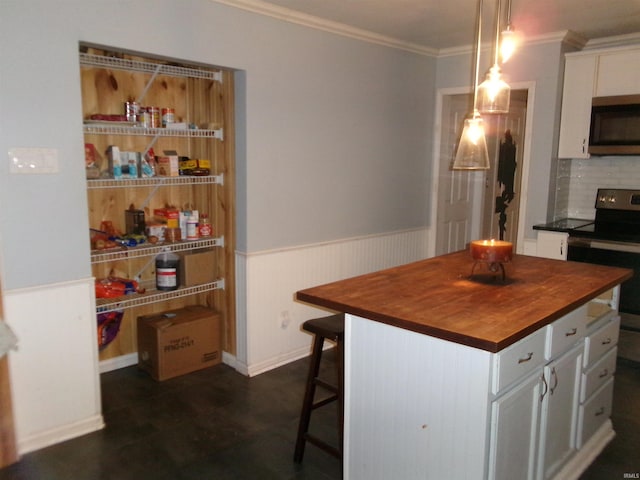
<point>438,297</point>
<point>563,224</point>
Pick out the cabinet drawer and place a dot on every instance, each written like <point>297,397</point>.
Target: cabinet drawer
<point>595,412</point>
<point>603,339</point>
<point>565,332</point>
<point>519,359</point>
<point>598,374</point>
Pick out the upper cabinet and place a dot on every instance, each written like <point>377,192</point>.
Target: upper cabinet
<point>579,80</point>
<point>588,75</point>
<point>618,73</point>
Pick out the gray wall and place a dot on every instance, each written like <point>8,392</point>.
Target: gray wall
<point>334,133</point>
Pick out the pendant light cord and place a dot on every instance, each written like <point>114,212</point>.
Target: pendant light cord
<point>477,67</point>
<point>496,47</point>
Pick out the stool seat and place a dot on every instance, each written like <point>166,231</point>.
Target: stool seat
<point>330,328</point>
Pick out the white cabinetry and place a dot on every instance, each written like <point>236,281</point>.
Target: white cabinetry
<point>618,73</point>
<point>552,245</point>
<point>535,421</point>
<point>514,431</point>
<point>579,79</point>
<point>596,394</point>
<point>538,409</point>
<point>587,75</point>
<point>559,412</point>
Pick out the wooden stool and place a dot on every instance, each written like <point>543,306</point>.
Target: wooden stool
<point>331,328</point>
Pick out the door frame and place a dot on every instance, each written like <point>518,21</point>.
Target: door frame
<point>530,87</point>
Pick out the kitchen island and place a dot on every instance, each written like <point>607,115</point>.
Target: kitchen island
<point>453,376</point>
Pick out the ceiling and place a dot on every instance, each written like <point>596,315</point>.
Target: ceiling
<point>438,25</point>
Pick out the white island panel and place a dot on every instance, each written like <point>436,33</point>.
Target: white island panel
<point>416,407</point>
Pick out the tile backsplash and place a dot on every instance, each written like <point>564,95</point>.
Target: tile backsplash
<point>579,180</point>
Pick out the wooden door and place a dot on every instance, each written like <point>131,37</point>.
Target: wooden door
<point>502,183</point>
<point>467,199</point>
<point>454,223</point>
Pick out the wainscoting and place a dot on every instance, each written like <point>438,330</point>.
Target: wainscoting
<point>269,317</point>
<point>54,372</point>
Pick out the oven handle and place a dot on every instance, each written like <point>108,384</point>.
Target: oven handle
<point>604,245</point>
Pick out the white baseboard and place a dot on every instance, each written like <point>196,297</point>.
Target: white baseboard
<point>119,362</point>
<point>584,457</point>
<point>60,434</point>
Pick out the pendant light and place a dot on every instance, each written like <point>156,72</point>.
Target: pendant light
<point>472,149</point>
<point>494,92</point>
<point>508,39</point>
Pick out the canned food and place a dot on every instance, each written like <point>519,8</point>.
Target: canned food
<point>168,116</point>
<point>131,110</point>
<point>154,117</point>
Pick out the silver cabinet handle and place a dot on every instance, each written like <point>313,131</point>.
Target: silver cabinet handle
<point>526,359</point>
<point>546,387</point>
<point>604,373</point>
<point>606,342</point>
<point>554,374</point>
<point>571,332</point>
<point>599,412</point>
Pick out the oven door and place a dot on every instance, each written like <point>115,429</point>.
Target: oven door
<point>613,254</point>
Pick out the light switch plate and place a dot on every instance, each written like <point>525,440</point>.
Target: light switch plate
<point>33,160</point>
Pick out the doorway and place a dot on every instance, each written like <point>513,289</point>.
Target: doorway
<point>481,204</point>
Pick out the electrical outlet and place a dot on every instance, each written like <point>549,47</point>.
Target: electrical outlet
<point>284,319</point>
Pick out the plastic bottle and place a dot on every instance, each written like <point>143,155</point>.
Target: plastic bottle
<point>167,267</point>
<point>204,226</point>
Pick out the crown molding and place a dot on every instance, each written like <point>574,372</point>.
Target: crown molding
<point>568,37</point>
<point>292,16</point>
<point>616,41</point>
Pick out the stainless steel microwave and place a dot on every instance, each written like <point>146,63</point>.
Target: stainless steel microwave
<point>615,125</point>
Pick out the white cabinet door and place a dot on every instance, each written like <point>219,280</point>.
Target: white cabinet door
<point>552,245</point>
<point>579,78</point>
<point>514,431</point>
<point>618,73</point>
<point>559,418</point>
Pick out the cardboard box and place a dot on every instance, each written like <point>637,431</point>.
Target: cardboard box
<point>167,166</point>
<point>197,267</point>
<point>180,341</point>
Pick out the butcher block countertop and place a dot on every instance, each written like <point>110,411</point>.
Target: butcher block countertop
<point>438,297</point>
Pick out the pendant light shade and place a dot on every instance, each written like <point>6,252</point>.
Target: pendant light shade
<point>472,151</point>
<point>508,43</point>
<point>494,93</point>
<point>509,39</point>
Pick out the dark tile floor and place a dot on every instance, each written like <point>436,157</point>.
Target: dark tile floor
<point>217,424</point>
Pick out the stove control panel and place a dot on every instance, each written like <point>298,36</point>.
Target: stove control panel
<point>618,199</point>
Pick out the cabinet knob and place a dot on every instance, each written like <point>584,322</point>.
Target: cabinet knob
<point>571,332</point>
<point>606,342</point>
<point>604,373</point>
<point>599,412</point>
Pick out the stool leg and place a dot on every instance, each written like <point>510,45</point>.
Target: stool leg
<point>309,392</point>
